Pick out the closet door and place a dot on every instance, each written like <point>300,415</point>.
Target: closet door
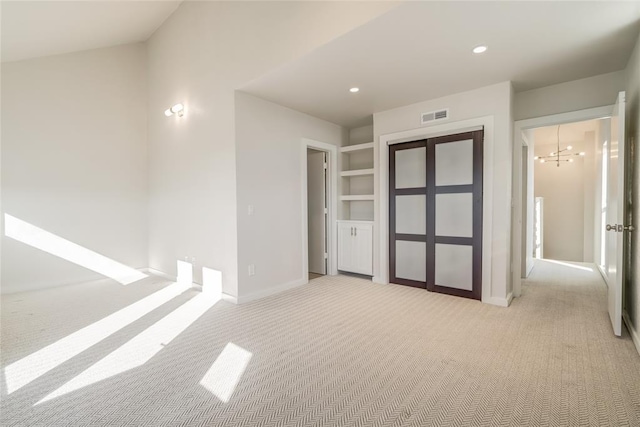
<point>435,214</point>
<point>408,213</point>
<point>454,214</point>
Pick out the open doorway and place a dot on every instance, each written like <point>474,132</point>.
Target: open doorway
<point>317,212</point>
<point>566,190</point>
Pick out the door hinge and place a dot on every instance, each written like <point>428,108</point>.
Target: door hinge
<point>326,211</point>
<point>325,165</point>
<point>326,255</point>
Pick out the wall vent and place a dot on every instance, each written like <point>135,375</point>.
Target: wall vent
<point>434,116</point>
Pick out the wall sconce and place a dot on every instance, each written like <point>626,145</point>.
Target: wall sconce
<point>176,109</point>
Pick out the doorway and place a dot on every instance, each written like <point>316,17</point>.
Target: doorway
<point>317,212</point>
<point>435,214</point>
<point>595,208</point>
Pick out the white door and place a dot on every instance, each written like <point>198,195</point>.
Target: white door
<point>317,211</point>
<point>615,215</point>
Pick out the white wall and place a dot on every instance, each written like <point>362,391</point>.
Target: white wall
<point>199,56</point>
<point>632,285</point>
<point>74,160</point>
<point>268,157</point>
<point>569,195</point>
<point>575,95</point>
<point>496,101</point>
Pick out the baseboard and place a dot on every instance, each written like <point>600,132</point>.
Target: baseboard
<point>196,286</point>
<point>500,302</point>
<point>379,280</point>
<point>40,286</point>
<point>632,331</point>
<point>243,299</point>
<point>603,274</point>
<point>159,274</point>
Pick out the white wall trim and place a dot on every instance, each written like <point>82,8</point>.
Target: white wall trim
<point>332,200</point>
<point>518,141</point>
<point>196,286</point>
<point>603,274</point>
<point>500,302</point>
<point>271,291</point>
<point>159,274</point>
<point>487,203</point>
<point>632,331</point>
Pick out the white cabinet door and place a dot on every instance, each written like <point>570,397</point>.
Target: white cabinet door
<point>355,247</point>
<point>363,249</point>
<point>345,246</point>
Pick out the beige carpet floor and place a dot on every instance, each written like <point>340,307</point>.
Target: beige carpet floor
<point>340,351</point>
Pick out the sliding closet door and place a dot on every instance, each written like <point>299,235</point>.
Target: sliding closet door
<point>454,214</point>
<point>408,213</point>
<point>435,214</point>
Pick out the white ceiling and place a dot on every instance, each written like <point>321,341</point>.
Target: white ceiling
<point>570,133</point>
<point>32,29</point>
<point>422,50</point>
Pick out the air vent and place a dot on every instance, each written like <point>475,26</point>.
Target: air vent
<point>434,116</point>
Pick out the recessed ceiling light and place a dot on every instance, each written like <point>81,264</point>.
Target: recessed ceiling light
<point>354,89</point>
<point>479,49</point>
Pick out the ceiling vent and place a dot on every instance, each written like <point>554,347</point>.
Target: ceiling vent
<point>434,116</point>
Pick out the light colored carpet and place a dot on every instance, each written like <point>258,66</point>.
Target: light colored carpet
<point>339,351</point>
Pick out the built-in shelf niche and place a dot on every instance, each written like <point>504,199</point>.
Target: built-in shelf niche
<point>358,175</point>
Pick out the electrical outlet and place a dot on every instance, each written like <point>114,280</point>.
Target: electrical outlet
<point>252,270</point>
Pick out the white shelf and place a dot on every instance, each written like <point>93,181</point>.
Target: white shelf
<point>357,172</point>
<point>348,198</point>
<point>350,148</point>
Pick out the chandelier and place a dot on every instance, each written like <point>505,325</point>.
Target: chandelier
<point>559,155</point>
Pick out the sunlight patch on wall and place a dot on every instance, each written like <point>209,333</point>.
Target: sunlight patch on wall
<point>55,245</point>
<point>225,373</point>
<point>24,371</point>
<point>141,348</point>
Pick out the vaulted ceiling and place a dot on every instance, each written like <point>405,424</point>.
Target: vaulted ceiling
<point>32,29</point>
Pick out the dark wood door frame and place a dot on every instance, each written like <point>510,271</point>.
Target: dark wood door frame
<point>430,191</point>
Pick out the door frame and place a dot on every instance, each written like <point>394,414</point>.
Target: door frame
<point>518,215</point>
<point>461,126</point>
<point>332,206</point>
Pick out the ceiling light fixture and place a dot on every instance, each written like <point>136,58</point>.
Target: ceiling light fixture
<point>479,49</point>
<point>559,155</point>
<point>176,109</point>
<point>354,89</point>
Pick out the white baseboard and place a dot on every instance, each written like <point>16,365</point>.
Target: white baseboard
<point>196,286</point>
<point>603,274</point>
<point>271,291</point>
<point>632,331</point>
<point>158,273</point>
<point>379,280</point>
<point>500,302</point>
<point>39,286</point>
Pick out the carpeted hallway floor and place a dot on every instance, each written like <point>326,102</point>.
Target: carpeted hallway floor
<point>339,351</point>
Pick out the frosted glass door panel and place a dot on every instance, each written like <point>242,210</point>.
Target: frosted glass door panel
<point>411,168</point>
<point>454,214</point>
<point>454,266</point>
<point>411,214</point>
<point>411,260</point>
<point>454,163</point>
